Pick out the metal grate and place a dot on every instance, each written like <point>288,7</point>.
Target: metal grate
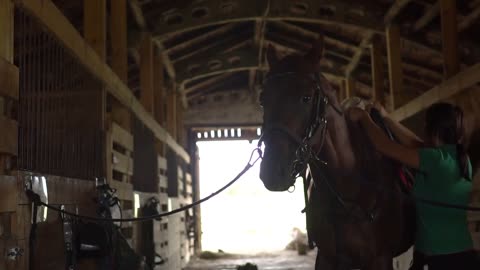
<point>60,113</point>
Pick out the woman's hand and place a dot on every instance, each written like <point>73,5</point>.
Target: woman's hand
<point>356,114</point>
<point>379,107</point>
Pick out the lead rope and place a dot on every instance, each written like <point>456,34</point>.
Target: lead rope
<point>251,162</point>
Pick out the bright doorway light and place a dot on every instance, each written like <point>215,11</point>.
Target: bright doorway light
<point>246,218</point>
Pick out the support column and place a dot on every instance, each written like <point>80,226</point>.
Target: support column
<point>394,65</point>
<point>377,70</point>
<point>349,87</point>
<point>159,89</point>
<point>180,128</point>
<point>448,12</point>
<point>172,111</point>
<point>95,26</point>
<point>119,62</point>
<point>146,73</point>
<point>9,87</point>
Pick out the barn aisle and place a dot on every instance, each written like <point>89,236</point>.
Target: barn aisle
<point>282,260</point>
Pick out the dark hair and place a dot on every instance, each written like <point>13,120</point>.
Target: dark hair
<point>445,121</point>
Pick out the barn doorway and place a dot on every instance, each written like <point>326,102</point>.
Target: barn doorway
<point>246,218</point>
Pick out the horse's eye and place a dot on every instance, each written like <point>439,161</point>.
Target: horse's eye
<point>306,99</point>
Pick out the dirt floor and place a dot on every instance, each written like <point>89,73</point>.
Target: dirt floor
<point>283,260</point>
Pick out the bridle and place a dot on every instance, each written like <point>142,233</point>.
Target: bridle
<point>317,123</point>
<point>305,154</point>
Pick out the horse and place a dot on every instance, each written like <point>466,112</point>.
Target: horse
<point>356,214</point>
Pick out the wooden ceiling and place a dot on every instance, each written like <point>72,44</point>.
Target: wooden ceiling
<point>212,46</point>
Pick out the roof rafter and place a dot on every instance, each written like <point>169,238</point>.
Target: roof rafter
<point>367,39</point>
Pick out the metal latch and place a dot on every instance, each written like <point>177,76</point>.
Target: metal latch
<point>14,253</point>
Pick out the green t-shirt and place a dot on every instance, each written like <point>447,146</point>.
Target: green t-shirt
<point>441,230</point>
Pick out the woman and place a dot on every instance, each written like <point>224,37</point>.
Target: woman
<point>443,174</point>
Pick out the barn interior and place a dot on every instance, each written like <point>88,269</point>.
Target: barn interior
<point>103,102</point>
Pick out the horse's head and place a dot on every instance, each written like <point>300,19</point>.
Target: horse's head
<point>294,100</point>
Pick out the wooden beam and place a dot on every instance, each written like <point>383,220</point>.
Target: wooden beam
<point>392,12</point>
<point>119,59</point>
<point>137,12</point>
<point>451,87</point>
<point>179,125</point>
<point>201,38</point>
<point>394,62</point>
<point>166,60</point>
<point>378,77</point>
<point>94,26</point>
<point>146,73</point>
<point>469,19</point>
<point>451,62</point>
<point>207,82</point>
<point>159,87</point>
<point>55,22</point>
<point>428,16</point>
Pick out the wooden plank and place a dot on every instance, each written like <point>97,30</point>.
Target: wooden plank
<point>146,73</point>
<point>8,200</point>
<point>394,10</point>
<point>9,136</point>
<point>95,26</point>
<point>377,70</point>
<point>394,62</point>
<point>59,26</point>
<point>162,163</point>
<point>9,79</point>
<point>122,137</point>
<point>124,190</point>
<point>122,163</point>
<point>448,14</point>
<point>453,86</point>
<point>159,87</point>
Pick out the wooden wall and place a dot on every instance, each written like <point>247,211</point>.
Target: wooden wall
<point>57,84</point>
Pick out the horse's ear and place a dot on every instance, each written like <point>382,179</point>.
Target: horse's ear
<point>316,52</point>
<point>272,56</point>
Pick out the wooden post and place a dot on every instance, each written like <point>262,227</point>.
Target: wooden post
<point>119,62</point>
<point>95,26</point>
<point>146,73</point>
<point>448,11</point>
<point>349,87</point>
<point>159,96</point>
<point>377,71</point>
<point>9,76</point>
<point>159,89</point>
<point>172,112</point>
<point>394,64</point>
<point>180,128</point>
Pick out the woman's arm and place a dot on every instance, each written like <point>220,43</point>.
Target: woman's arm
<point>406,155</point>
<point>402,133</point>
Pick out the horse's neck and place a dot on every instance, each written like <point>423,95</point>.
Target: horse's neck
<point>338,145</point>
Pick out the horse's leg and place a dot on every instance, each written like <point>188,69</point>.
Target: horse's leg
<point>381,263</point>
<point>321,263</point>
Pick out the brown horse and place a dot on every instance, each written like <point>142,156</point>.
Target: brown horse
<point>357,215</point>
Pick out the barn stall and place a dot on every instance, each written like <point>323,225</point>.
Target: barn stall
<point>118,92</point>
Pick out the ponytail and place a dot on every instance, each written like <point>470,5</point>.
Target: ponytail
<point>462,155</point>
